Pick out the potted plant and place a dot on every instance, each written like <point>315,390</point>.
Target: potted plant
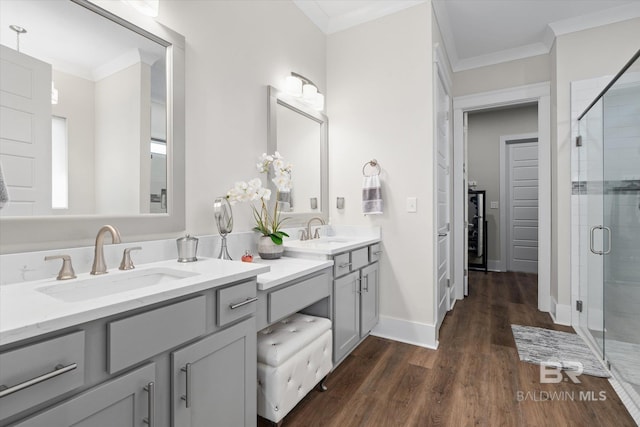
<point>268,224</point>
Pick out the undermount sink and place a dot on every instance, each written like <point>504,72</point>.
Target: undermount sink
<point>321,241</point>
<point>109,284</point>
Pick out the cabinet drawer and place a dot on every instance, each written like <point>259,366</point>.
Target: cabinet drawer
<point>359,258</point>
<point>52,367</point>
<point>236,302</point>
<point>137,338</point>
<point>289,300</point>
<point>341,264</point>
<point>374,252</point>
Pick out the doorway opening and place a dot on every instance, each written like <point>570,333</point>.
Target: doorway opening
<point>537,95</point>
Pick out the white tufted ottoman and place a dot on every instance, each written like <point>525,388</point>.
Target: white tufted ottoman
<point>294,355</point>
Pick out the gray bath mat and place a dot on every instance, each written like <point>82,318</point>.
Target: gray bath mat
<point>538,345</point>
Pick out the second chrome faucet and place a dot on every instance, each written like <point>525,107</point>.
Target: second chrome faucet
<point>99,264</point>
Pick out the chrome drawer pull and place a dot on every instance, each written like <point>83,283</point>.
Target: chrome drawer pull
<point>185,397</point>
<point>59,370</point>
<point>245,302</point>
<point>379,252</point>
<point>345,265</point>
<point>151,419</point>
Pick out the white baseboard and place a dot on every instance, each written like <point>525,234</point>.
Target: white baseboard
<point>420,334</point>
<point>560,313</point>
<point>495,265</point>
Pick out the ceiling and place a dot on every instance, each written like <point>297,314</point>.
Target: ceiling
<point>483,32</point>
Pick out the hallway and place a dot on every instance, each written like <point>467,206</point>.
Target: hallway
<point>474,378</point>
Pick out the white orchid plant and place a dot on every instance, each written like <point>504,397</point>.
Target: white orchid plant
<point>251,191</point>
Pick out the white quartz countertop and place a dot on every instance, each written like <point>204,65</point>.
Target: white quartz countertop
<point>330,245</point>
<point>25,311</point>
<point>286,269</point>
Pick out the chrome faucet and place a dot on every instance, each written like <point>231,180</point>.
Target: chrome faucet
<point>317,234</point>
<point>99,265</point>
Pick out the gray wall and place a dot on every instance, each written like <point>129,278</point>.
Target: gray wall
<point>483,154</point>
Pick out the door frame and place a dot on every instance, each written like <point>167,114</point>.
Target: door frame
<point>441,72</point>
<point>504,185</point>
<point>541,94</point>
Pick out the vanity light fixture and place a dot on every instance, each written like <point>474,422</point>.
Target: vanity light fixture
<point>146,7</point>
<point>301,87</point>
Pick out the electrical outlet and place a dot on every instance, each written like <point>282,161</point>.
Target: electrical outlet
<point>494,205</point>
<point>412,204</point>
<point>473,183</point>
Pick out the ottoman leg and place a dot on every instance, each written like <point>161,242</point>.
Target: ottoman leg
<point>321,386</point>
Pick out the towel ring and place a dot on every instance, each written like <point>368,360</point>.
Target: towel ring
<point>374,164</point>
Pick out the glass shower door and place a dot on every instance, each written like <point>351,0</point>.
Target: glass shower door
<point>621,197</point>
<point>591,223</point>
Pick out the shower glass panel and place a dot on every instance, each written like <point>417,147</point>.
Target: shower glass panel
<point>621,203</point>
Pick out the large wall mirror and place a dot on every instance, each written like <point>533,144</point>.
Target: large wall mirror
<point>299,133</point>
<point>92,122</point>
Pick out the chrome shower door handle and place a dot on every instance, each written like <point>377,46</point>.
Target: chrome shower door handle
<point>608,250</point>
<point>591,239</point>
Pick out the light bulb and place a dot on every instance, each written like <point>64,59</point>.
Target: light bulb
<point>309,93</point>
<point>319,102</point>
<point>293,85</point>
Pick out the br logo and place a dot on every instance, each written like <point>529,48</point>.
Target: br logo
<point>552,371</point>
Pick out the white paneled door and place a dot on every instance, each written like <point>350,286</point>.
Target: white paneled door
<point>446,294</point>
<point>522,203</point>
<point>25,132</point>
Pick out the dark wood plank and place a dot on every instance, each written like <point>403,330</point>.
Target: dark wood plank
<point>474,378</point>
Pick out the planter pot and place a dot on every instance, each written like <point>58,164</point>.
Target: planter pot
<point>267,249</point>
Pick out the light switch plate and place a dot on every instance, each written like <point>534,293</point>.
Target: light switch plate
<point>494,205</point>
<point>412,204</point>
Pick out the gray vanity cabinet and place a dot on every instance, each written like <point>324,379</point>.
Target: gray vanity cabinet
<point>356,298</point>
<point>214,379</point>
<point>126,401</point>
<point>346,314</point>
<point>369,298</point>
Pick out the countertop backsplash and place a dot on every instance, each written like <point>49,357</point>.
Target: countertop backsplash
<point>27,266</point>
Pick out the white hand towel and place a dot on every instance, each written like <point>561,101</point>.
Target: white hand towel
<point>4,193</point>
<point>371,195</point>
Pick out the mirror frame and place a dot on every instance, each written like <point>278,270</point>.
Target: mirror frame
<point>277,97</point>
<point>22,234</point>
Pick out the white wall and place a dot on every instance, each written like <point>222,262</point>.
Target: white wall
<point>76,104</point>
<point>235,49</point>
<point>118,130</point>
<point>483,153</point>
<point>519,72</point>
<point>379,78</point>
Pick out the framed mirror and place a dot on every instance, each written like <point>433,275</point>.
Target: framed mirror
<point>105,133</point>
<point>299,133</point>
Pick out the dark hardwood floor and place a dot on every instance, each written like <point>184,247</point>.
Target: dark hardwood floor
<point>474,378</point>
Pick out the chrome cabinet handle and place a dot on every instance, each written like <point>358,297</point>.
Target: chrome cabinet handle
<point>366,289</point>
<point>345,265</point>
<point>59,370</point>
<point>608,250</point>
<point>377,252</point>
<point>186,397</point>
<point>359,285</point>
<point>442,234</point>
<point>151,418</point>
<point>245,302</point>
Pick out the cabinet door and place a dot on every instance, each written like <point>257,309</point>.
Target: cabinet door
<point>214,379</point>
<point>126,401</point>
<point>369,298</point>
<point>346,316</point>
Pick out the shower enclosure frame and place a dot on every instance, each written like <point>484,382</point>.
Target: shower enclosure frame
<point>606,226</point>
